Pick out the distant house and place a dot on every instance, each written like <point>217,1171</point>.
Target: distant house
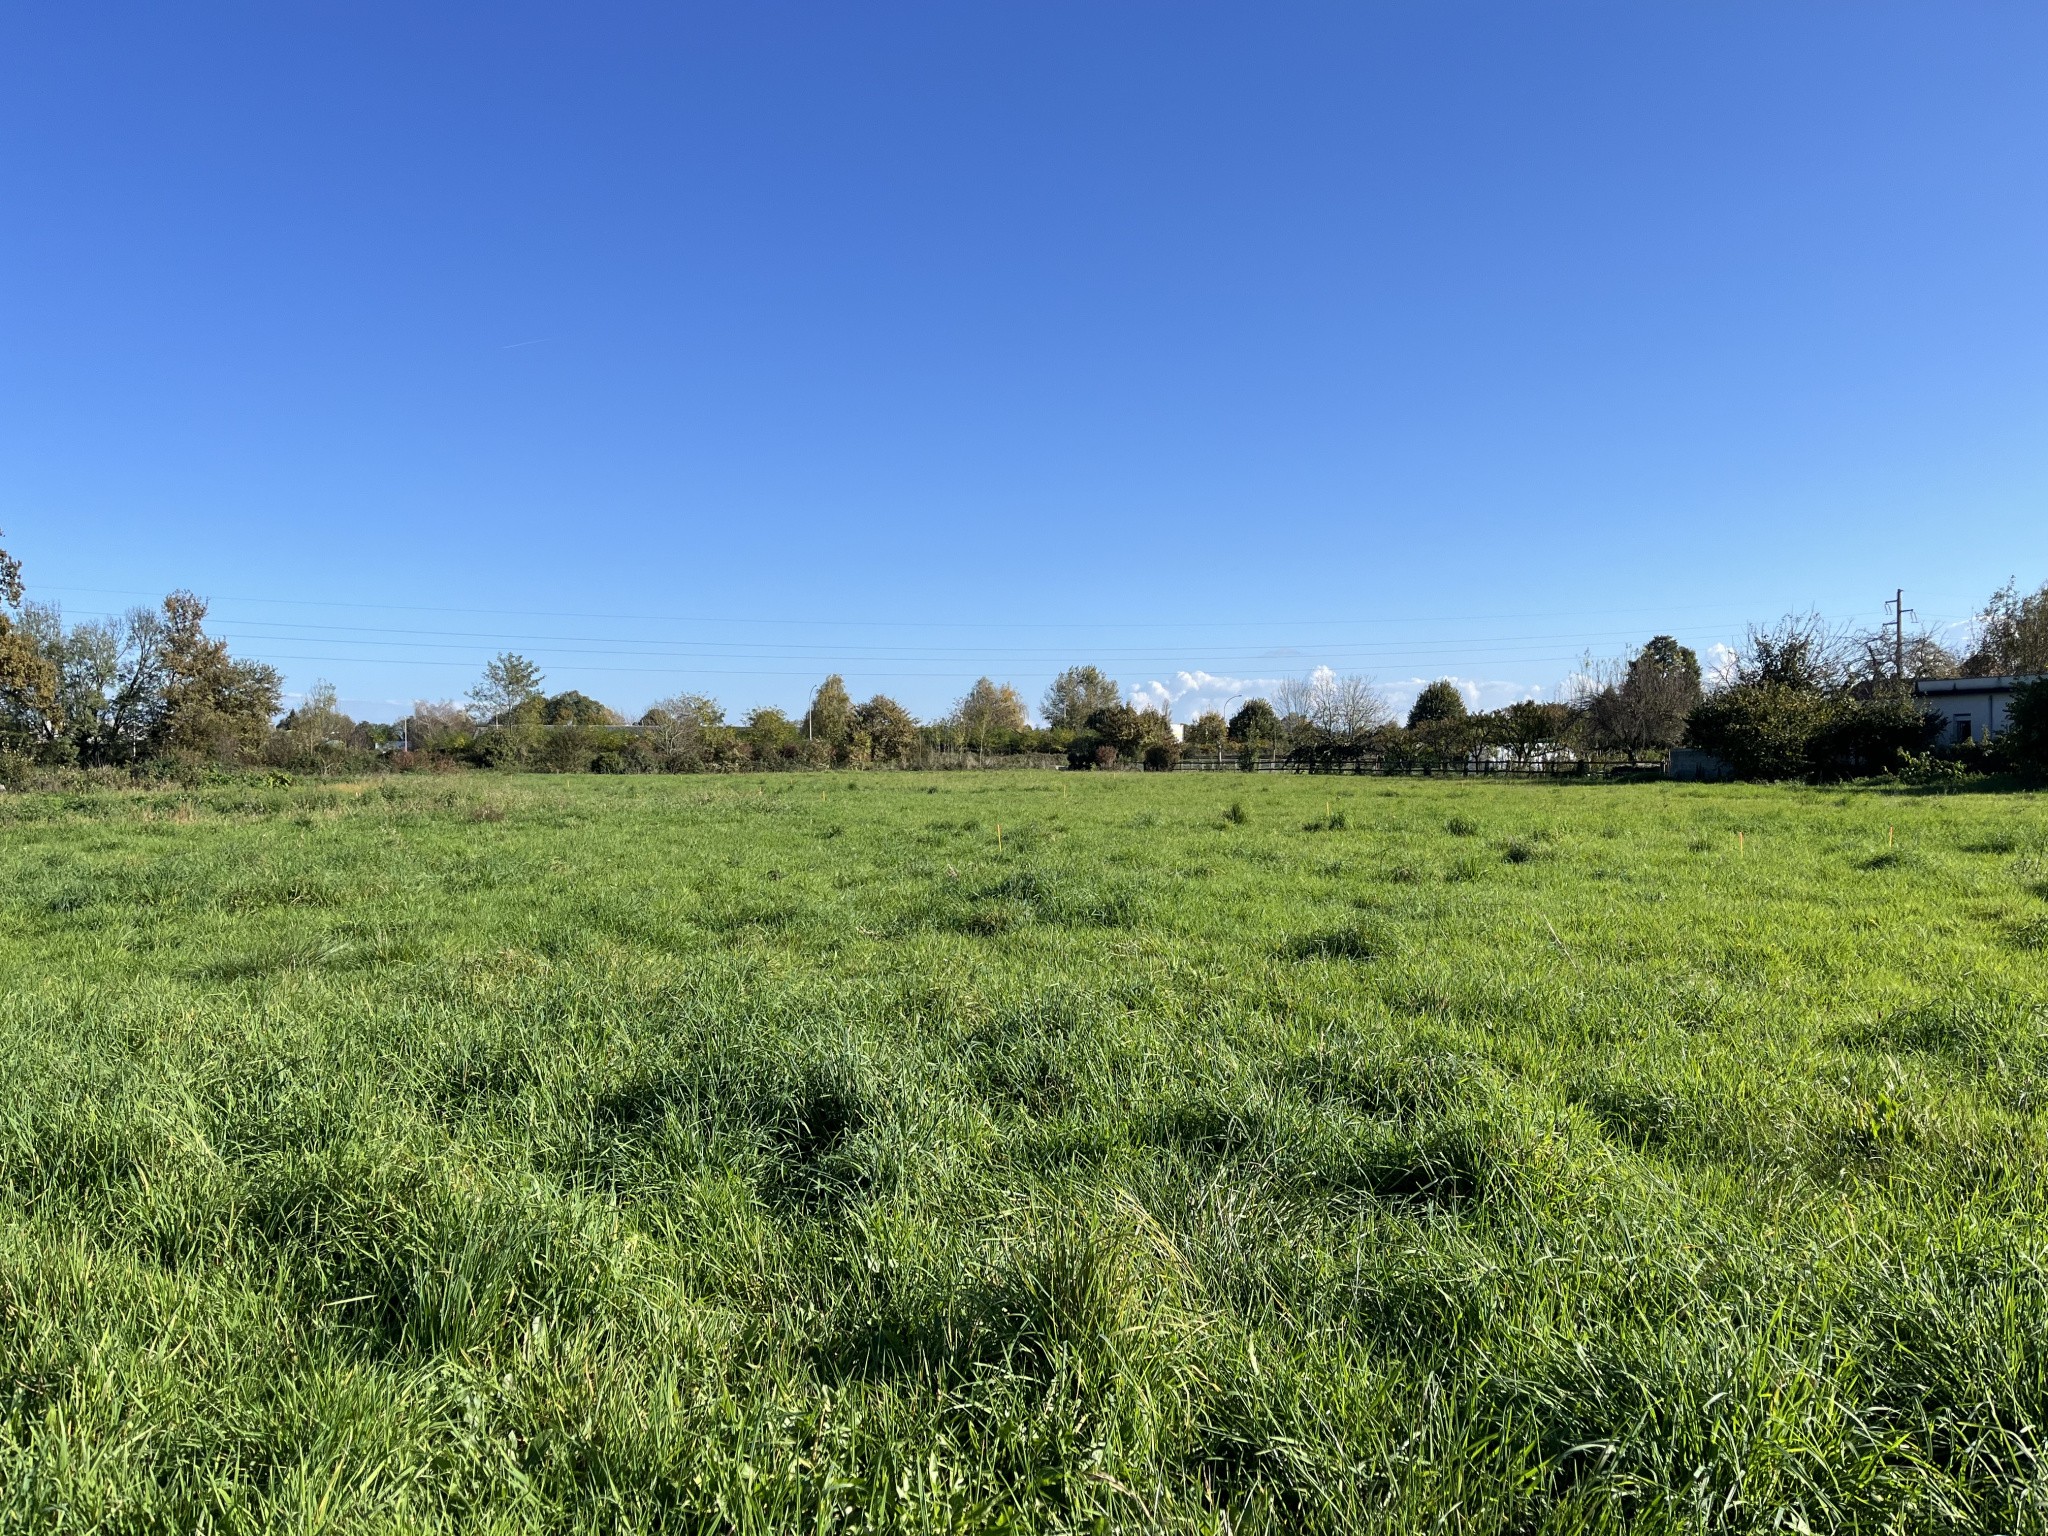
<point>1974,707</point>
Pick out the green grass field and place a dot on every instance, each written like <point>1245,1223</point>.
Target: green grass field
<point>800,1154</point>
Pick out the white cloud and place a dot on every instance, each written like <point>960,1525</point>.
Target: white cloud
<point>1192,693</point>
<point>1479,693</point>
<point>1188,694</point>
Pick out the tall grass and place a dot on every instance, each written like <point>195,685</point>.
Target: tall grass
<point>787,1155</point>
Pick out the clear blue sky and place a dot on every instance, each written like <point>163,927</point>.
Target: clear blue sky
<point>719,347</point>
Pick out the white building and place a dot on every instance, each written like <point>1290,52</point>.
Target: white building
<point>1973,706</point>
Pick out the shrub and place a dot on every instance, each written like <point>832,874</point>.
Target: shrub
<point>1925,770</point>
<point>2024,741</point>
<point>1779,730</point>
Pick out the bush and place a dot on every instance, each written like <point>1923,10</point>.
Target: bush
<point>2024,741</point>
<point>1924,770</point>
<point>1162,757</point>
<point>1121,727</point>
<point>501,748</point>
<point>1778,730</point>
<point>567,749</point>
<point>1872,735</point>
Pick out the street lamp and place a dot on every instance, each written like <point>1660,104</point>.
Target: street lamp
<point>1226,727</point>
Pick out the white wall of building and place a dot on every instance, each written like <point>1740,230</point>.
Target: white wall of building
<point>1975,707</point>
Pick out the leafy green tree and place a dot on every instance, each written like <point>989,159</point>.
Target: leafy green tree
<point>119,685</point>
<point>1645,709</point>
<point>2012,637</point>
<point>1076,694</point>
<point>1663,656</point>
<point>314,731</point>
<point>30,684</point>
<point>1156,725</point>
<point>1440,701</point>
<point>573,708</point>
<point>829,721</point>
<point>770,734</point>
<point>989,713</point>
<point>509,683</point>
<point>1119,726</point>
<point>887,728</point>
<point>1209,731</point>
<point>1526,727</point>
<point>1255,724</point>
<point>214,706</point>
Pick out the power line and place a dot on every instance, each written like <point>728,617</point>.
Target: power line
<point>799,621</point>
<point>811,672</point>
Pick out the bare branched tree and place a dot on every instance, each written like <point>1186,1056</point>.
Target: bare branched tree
<point>678,723</point>
<point>1801,650</point>
<point>434,721</point>
<point>1327,707</point>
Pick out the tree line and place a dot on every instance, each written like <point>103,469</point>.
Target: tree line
<point>153,691</point>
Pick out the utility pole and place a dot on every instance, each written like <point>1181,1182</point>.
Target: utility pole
<point>1899,612</point>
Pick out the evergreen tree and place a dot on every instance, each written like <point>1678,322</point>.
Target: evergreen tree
<point>1438,702</point>
<point>1255,724</point>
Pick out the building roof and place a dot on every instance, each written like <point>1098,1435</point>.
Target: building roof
<point>1940,685</point>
